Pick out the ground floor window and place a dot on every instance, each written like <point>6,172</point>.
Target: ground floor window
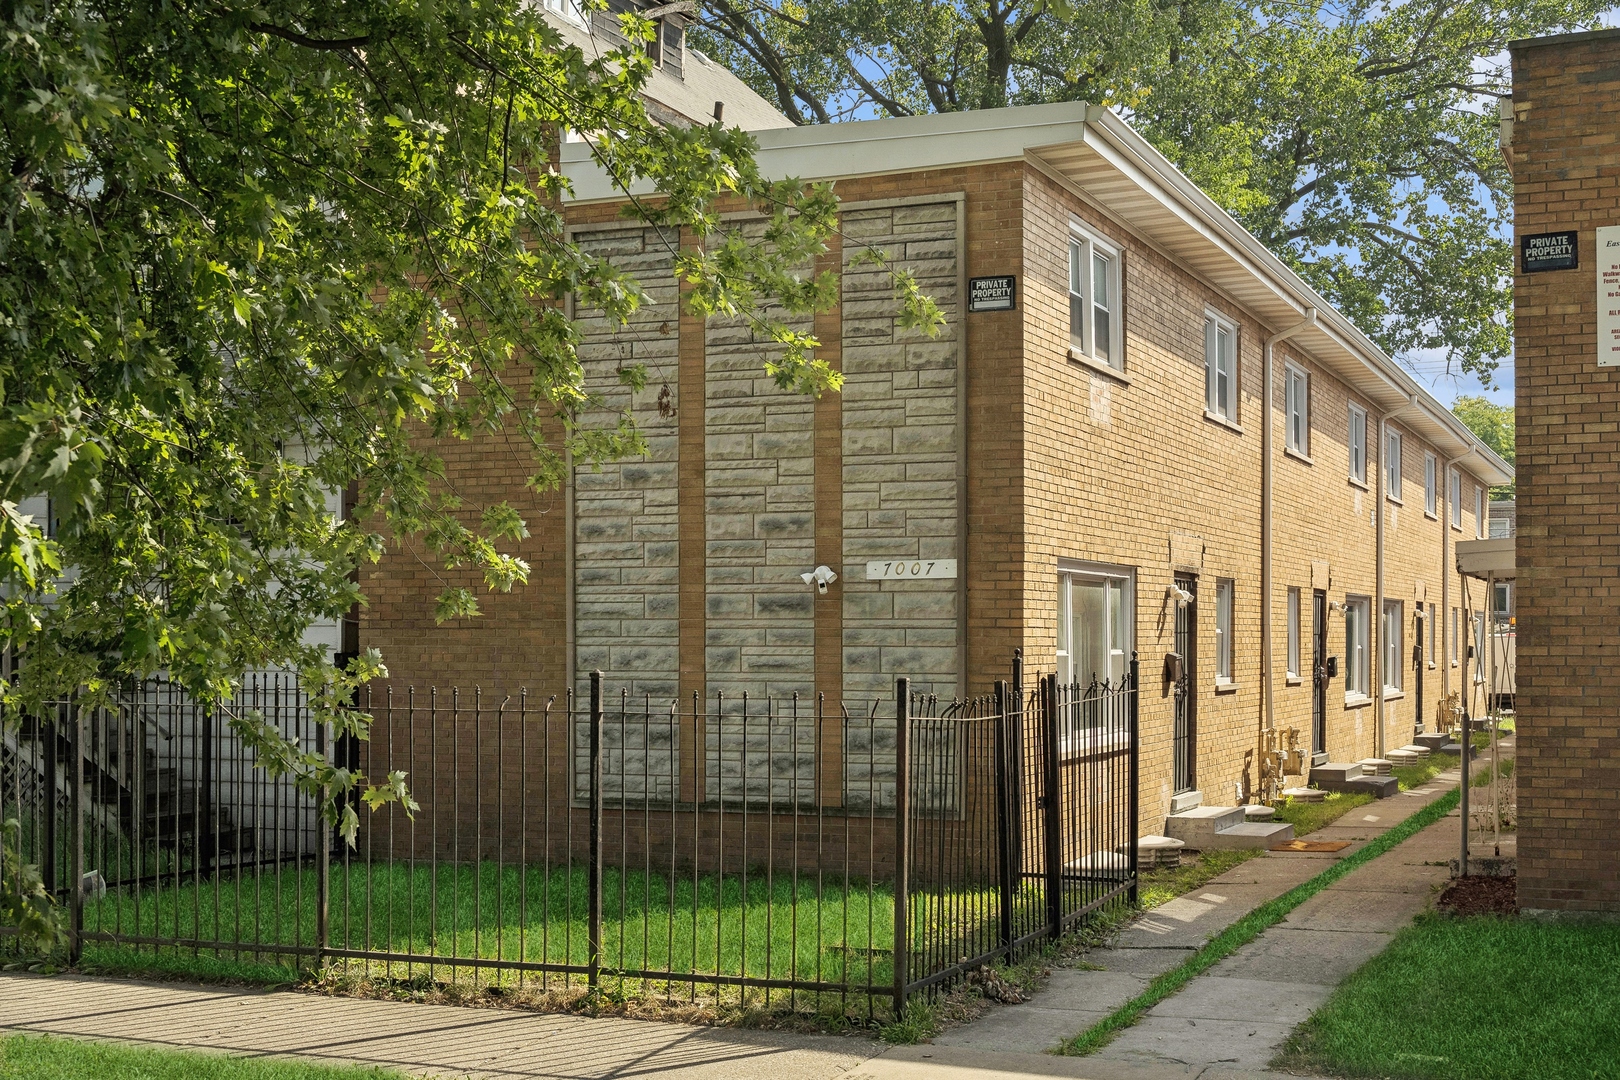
<point>1391,631</point>
<point>1357,612</point>
<point>1293,633</point>
<point>1095,626</point>
<point>1223,630</point>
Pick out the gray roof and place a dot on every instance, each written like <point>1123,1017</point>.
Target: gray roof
<point>691,96</point>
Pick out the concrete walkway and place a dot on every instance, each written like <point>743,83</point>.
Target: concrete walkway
<point>1225,1025</point>
<point>1077,997</point>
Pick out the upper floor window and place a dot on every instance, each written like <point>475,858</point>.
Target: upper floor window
<point>1298,398</point>
<point>1220,366</point>
<point>1358,444</point>
<point>1094,292</point>
<point>1392,464</point>
<point>1479,512</point>
<point>1431,493</point>
<point>1454,497</point>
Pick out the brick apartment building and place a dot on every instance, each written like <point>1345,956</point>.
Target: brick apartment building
<point>1563,142</point>
<point>1086,454</point>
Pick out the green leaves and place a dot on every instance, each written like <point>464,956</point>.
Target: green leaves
<point>24,902</point>
<point>267,256</point>
<point>1358,140</point>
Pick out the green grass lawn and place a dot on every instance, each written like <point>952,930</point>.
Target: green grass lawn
<point>1161,886</point>
<point>1308,817</point>
<point>32,1057</point>
<point>1475,999</point>
<point>779,926</point>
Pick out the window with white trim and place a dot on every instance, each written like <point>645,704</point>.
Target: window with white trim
<point>1479,512</point>
<point>1454,497</point>
<point>1431,493</point>
<point>1392,633</point>
<point>1220,366</point>
<point>1297,397</point>
<point>1094,625</point>
<point>1358,444</point>
<point>1453,642</point>
<point>1293,633</point>
<point>1357,681</point>
<point>1223,630</point>
<point>1094,294</point>
<point>1392,463</point>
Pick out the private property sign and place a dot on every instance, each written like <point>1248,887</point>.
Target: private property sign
<point>1608,296</point>
<point>1548,251</point>
<point>992,293</point>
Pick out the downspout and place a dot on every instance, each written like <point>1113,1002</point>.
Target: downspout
<point>1376,616</point>
<point>1449,635</point>
<point>1269,661</point>
<point>1381,676</point>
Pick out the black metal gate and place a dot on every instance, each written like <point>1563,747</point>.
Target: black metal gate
<point>1186,684</point>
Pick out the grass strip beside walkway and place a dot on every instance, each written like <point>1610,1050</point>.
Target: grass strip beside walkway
<point>1247,929</point>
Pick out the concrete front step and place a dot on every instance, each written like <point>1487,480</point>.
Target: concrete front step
<point>1336,772</point>
<point>1253,834</point>
<point>1218,828</point>
<point>1434,740</point>
<point>1197,827</point>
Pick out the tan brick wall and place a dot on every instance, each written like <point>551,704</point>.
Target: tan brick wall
<point>1566,160</point>
<point>1063,463</point>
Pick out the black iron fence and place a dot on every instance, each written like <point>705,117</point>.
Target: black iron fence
<point>734,847</point>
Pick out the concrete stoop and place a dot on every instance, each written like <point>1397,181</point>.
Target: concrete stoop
<point>1225,828</point>
<point>1352,777</point>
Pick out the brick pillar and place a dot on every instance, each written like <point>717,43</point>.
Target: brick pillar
<point>829,496</point>
<point>693,562</point>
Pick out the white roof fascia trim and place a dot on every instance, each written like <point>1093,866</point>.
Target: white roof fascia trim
<point>953,140</point>
<point>1148,160</point>
<point>872,147</point>
<point>1199,223</point>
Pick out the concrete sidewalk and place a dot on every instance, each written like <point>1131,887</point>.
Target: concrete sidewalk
<point>1224,1026</point>
<point>1075,998</point>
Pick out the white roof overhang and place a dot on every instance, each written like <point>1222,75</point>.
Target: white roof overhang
<point>1092,150</point>
<point>1484,559</point>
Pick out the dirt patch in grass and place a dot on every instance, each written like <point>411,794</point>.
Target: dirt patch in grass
<point>1481,896</point>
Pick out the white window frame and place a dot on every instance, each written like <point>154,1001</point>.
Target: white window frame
<point>1293,633</point>
<point>1431,628</point>
<point>1356,442</point>
<point>1479,513</point>
<point>1219,363</point>
<point>1453,645</point>
<point>1431,486</point>
<point>1085,247</point>
<point>1118,651</point>
<point>1357,676</point>
<point>1297,408</point>
<point>1225,603</point>
<point>1454,496</point>
<point>1392,464</point>
<point>1393,634</point>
